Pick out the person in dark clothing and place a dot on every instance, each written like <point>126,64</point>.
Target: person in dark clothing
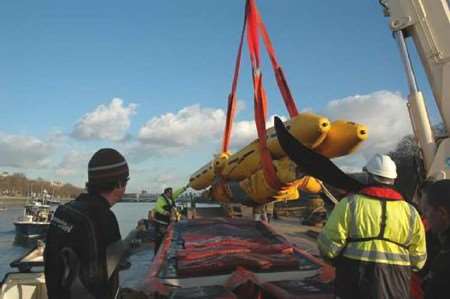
<point>81,231</point>
<point>436,207</point>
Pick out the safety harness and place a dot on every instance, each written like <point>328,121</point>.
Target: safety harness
<point>383,195</point>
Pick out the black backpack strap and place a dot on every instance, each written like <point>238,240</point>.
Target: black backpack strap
<point>71,280</point>
<point>71,266</point>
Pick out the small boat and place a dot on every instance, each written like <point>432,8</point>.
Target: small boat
<point>29,281</point>
<point>34,222</point>
<point>47,199</point>
<point>53,201</point>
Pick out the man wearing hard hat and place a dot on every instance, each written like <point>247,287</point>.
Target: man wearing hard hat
<point>374,238</point>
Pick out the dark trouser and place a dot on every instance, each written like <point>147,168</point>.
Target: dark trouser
<point>160,233</point>
<point>368,280</point>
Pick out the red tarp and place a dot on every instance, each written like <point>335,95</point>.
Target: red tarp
<point>202,248</point>
<point>221,247</point>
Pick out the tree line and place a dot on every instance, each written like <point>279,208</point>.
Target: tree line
<point>409,162</point>
<point>18,185</point>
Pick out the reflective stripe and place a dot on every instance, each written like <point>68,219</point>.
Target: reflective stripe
<point>161,222</point>
<point>107,166</point>
<point>332,249</point>
<point>375,256</point>
<point>412,224</point>
<point>352,211</point>
<point>417,259</point>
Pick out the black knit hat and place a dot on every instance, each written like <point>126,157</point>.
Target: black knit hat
<point>106,166</point>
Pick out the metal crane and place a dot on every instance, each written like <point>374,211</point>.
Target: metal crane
<point>427,22</point>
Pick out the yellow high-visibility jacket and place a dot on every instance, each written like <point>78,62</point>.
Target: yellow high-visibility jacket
<point>164,206</point>
<point>375,225</point>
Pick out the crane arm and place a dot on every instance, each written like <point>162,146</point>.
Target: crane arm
<point>428,23</point>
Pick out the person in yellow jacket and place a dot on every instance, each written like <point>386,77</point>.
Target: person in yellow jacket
<point>165,211</point>
<point>374,238</point>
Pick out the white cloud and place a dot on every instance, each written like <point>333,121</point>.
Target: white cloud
<point>386,116</point>
<point>154,179</point>
<point>173,133</point>
<point>241,106</point>
<point>22,151</point>
<point>187,127</point>
<point>244,132</point>
<point>157,183</point>
<point>106,122</point>
<point>384,113</point>
<point>73,163</point>
<point>192,127</point>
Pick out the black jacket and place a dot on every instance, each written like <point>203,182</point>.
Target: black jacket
<point>368,280</point>
<point>86,226</point>
<point>436,283</point>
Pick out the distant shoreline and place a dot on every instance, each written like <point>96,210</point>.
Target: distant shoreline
<point>8,200</point>
<point>13,200</point>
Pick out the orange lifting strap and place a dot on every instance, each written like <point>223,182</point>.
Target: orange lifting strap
<point>255,28</point>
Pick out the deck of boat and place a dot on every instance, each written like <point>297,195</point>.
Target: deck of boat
<point>302,236</point>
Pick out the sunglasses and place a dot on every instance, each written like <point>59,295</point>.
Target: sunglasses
<point>123,183</point>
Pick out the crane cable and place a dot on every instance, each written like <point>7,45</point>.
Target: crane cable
<point>254,26</point>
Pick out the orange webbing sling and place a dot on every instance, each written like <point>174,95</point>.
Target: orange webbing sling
<point>255,26</point>
<point>231,110</point>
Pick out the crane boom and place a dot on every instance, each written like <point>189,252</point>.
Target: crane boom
<point>427,22</point>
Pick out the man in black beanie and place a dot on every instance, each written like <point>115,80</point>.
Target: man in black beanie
<point>436,207</point>
<point>81,231</point>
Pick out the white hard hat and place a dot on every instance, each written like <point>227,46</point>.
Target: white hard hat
<point>383,166</point>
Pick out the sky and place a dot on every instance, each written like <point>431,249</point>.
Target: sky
<point>151,79</point>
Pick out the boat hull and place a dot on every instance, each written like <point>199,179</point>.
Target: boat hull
<point>31,230</point>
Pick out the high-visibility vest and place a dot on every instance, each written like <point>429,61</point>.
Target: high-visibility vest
<point>375,225</point>
<point>163,209</point>
<point>164,206</point>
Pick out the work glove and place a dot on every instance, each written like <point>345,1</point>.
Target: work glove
<point>175,215</point>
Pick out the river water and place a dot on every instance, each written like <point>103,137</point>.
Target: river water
<point>127,215</point>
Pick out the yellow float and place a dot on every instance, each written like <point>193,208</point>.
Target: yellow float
<point>239,178</point>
